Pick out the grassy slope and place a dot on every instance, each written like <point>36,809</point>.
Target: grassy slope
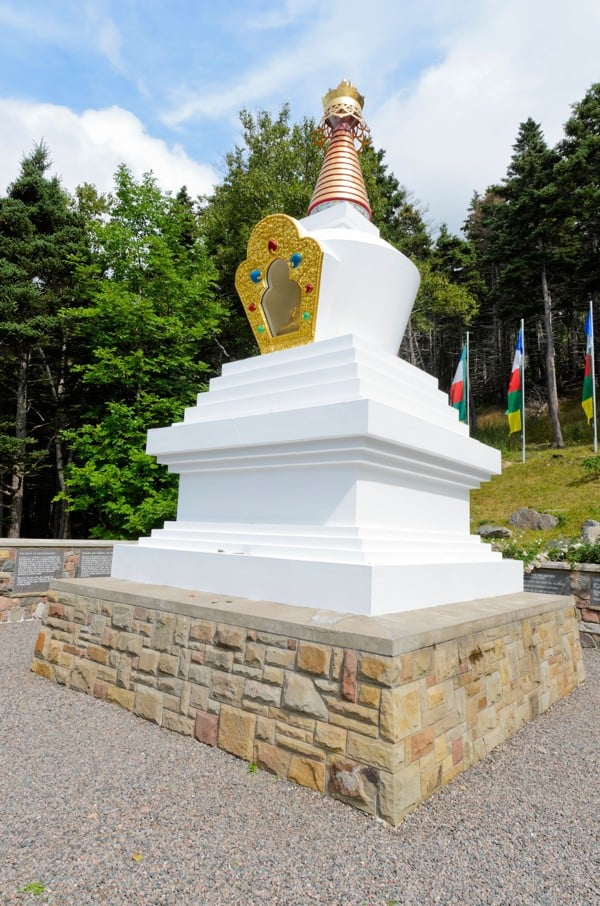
<point>551,481</point>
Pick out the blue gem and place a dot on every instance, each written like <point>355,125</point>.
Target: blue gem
<point>295,259</point>
<point>255,276</point>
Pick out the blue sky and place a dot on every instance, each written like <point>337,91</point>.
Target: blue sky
<point>159,84</point>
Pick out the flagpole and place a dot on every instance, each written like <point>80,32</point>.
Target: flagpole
<point>593,379</point>
<point>468,376</point>
<point>523,386</point>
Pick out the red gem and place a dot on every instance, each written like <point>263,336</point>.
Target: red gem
<point>252,306</point>
<point>272,245</point>
<point>309,287</point>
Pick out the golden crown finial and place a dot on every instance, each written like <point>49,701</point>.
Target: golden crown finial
<point>342,108</point>
<point>347,91</point>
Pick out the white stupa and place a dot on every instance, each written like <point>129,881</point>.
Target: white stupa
<point>326,472</point>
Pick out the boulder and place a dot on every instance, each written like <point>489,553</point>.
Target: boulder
<point>494,531</point>
<point>590,531</point>
<point>527,518</point>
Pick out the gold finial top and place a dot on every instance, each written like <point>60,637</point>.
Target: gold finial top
<point>343,110</point>
<point>345,92</point>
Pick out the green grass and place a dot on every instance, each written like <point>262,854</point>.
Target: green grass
<point>550,481</point>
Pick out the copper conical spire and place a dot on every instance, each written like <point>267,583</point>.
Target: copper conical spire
<point>341,178</point>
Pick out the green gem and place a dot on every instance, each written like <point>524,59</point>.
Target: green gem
<point>306,316</point>
<point>260,329</point>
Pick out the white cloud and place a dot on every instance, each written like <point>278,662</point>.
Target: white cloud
<point>109,42</point>
<point>89,147</point>
<point>453,133</point>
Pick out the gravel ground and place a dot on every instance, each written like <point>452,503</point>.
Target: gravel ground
<point>99,806</point>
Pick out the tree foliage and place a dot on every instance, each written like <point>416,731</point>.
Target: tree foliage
<point>148,316</point>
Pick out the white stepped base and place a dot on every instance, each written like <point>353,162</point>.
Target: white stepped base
<point>328,476</point>
<point>369,589</point>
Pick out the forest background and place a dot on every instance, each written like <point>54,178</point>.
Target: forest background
<point>116,310</point>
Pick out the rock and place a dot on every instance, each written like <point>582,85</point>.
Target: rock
<point>494,531</point>
<point>590,531</point>
<point>527,518</point>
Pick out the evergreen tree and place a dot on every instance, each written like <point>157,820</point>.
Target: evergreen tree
<point>41,238</point>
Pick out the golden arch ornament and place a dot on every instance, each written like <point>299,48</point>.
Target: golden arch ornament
<point>279,283</point>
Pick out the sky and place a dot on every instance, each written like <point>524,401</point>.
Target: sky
<point>159,85</point>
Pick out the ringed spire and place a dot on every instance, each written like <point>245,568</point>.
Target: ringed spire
<point>343,133</point>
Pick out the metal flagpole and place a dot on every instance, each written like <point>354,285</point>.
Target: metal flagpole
<point>468,387</point>
<point>593,379</point>
<point>523,385</point>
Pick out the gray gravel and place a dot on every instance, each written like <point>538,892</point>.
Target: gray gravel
<point>84,786</point>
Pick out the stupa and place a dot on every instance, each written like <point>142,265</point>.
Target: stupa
<point>326,472</point>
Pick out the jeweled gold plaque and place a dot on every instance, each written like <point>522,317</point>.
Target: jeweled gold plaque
<point>279,283</point>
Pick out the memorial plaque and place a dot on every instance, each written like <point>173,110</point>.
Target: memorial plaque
<point>36,568</point>
<point>95,563</point>
<point>595,590</point>
<point>548,581</point>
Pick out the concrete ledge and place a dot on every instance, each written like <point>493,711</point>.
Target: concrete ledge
<point>390,635</point>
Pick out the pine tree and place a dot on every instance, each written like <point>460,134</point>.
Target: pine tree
<point>41,238</point>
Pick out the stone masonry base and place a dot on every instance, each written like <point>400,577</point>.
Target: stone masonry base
<point>376,711</point>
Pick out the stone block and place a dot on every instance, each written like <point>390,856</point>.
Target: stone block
<point>420,744</point>
<point>262,692</point>
<point>265,729</point>
<point>300,694</point>
<point>221,658</point>
<point>254,655</point>
<point>83,677</point>
<point>168,664</point>
<point>42,669</point>
<point>431,780</point>
<point>236,732</point>
<point>41,641</point>
<point>123,697</point>
<point>446,660</point>
<point>349,685</point>
<point>206,727</point>
<point>182,631</point>
<point>347,723</point>
<point>200,675</point>
<point>274,675</point>
<point>307,773</point>
<point>280,657</point>
<point>330,737</point>
<point>386,755</point>
<point>122,616</point>
<point>230,636</point>
<point>202,631</point>
<point>100,655</point>
<point>178,723</point>
<point>313,659</point>
<point>227,687</point>
<point>163,633</point>
<point>299,747</point>
<point>270,758</point>
<point>130,642</point>
<point>353,783</point>
<point>399,793</point>
<point>380,669</point>
<point>355,712</point>
<point>149,704</point>
<point>369,696</point>
<point>148,660</point>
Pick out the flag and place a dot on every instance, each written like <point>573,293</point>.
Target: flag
<point>459,387</point>
<point>588,390</point>
<point>515,389</point>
